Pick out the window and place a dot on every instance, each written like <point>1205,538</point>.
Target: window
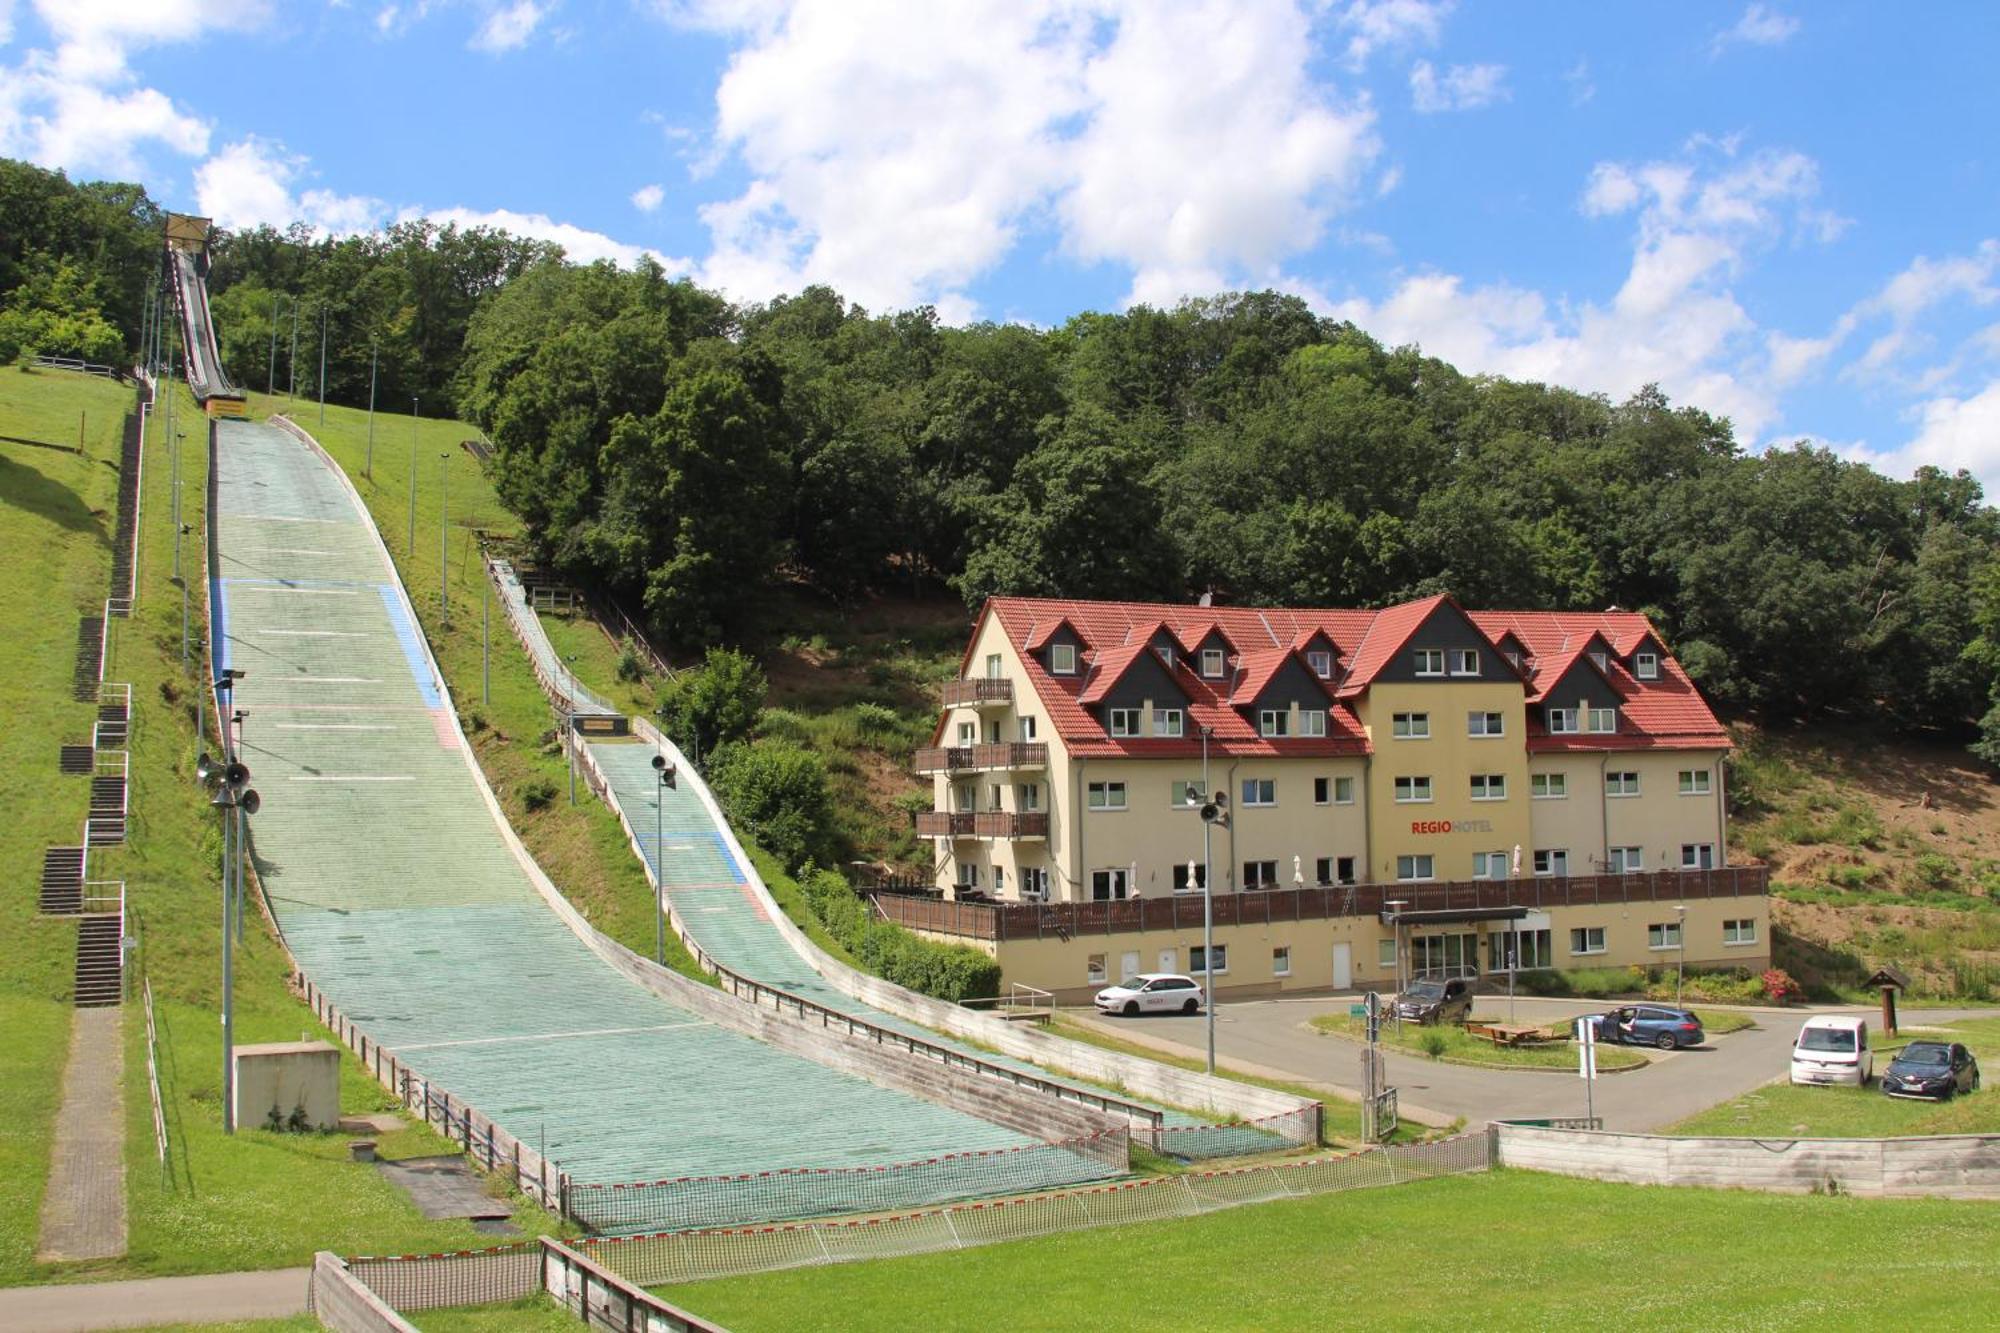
<point>1410,726</point>
<point>1028,796</point>
<point>1513,657</point>
<point>1211,662</point>
<point>1323,870</point>
<point>1740,932</point>
<point>1415,867</point>
<point>1343,791</point>
<point>1627,860</point>
<point>992,666</point>
<point>1551,861</point>
<point>1190,877</point>
<point>1646,666</point>
<point>1489,786</point>
<point>968,876</point>
<point>1182,789</point>
<point>1603,720</point>
<point>1321,662</point>
<point>1274,722</point>
<point>1697,856</point>
<point>1027,728</point>
<point>1035,884</point>
<point>968,734</point>
<point>1166,652</point>
<point>1281,961</point>
<point>1562,721</point>
<point>1260,791</point>
<point>1343,869</point>
<point>1260,874</point>
<point>1621,784</point>
<point>1548,786</point>
<point>1312,722</point>
<point>1489,865</point>
<point>1430,661</point>
<point>1523,950</point>
<point>1110,884</point>
<point>999,880</point>
<point>1106,795</point>
<point>1598,657</point>
<point>1486,724</point>
<point>1166,721</point>
<point>1663,935</point>
<point>1122,721</point>
<point>1410,790</point>
<point>1198,960</point>
<point>1385,954</point>
<point>1586,939</point>
<point>1062,659</point>
<point>1093,969</point>
<point>993,796</point>
<point>1694,782</point>
<point>1322,790</point>
<point>1465,661</point>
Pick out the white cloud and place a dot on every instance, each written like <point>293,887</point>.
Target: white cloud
<point>1951,433</point>
<point>1459,88</point>
<point>1760,26</point>
<point>509,27</point>
<point>899,153</point>
<point>647,198</point>
<point>250,184</point>
<point>1376,25</point>
<point>580,244</point>
<point>6,21</point>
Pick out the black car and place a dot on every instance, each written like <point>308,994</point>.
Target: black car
<point>1932,1069</point>
<point>1434,1001</point>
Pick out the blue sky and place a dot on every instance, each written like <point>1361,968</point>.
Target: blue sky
<point>1784,212</point>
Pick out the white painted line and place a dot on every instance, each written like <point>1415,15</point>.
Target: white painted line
<point>352,777</point>
<point>547,1036</point>
<point>336,680</point>
<point>332,726</point>
<point>317,633</point>
<point>283,518</point>
<point>279,587</point>
<point>295,550</point>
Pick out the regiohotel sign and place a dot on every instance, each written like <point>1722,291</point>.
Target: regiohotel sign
<point>1451,826</point>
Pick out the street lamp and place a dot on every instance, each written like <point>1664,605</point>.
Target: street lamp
<point>1211,806</point>
<point>229,784</point>
<point>413,477</point>
<point>666,773</point>
<point>1681,939</point>
<point>1395,907</point>
<point>569,721</point>
<point>368,468</point>
<point>444,538</point>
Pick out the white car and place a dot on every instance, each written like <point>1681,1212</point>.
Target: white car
<point>1152,993</point>
<point>1832,1049</point>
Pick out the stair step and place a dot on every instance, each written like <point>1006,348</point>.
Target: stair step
<point>76,759</point>
<point>89,646</point>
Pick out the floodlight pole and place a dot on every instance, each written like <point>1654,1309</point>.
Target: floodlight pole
<point>228,973</point>
<point>413,478</point>
<point>1208,905</point>
<point>486,641</point>
<point>659,868</point>
<point>271,366</point>
<point>444,538</point>
<point>292,366</point>
<point>1681,938</point>
<point>368,466</point>
<point>322,365</point>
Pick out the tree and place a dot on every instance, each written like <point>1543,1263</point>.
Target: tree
<point>716,705</point>
<point>778,792</point>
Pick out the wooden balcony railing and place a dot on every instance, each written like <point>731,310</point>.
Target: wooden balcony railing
<point>979,690</point>
<point>943,824</point>
<point>958,758</point>
<point>1182,911</point>
<point>982,824</point>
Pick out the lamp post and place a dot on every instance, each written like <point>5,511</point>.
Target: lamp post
<point>368,465</point>
<point>413,477</point>
<point>444,538</point>
<point>1396,906</point>
<point>232,795</point>
<point>1681,939</point>
<point>569,722</point>
<point>667,775</point>
<point>322,364</point>
<point>1210,804</point>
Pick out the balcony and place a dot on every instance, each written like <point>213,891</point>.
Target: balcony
<point>973,758</point>
<point>1005,824</point>
<point>979,692</point>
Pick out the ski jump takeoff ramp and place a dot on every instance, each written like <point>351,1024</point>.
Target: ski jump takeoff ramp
<point>407,902</point>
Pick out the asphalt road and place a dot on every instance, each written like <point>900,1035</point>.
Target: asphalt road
<point>1273,1034</point>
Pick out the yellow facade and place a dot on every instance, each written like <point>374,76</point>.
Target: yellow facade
<point>1451,825</point>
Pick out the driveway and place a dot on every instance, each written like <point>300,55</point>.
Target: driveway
<point>1273,1034</point>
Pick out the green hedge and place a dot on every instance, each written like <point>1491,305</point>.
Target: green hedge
<point>950,972</point>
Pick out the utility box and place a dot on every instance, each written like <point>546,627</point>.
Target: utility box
<point>300,1080</point>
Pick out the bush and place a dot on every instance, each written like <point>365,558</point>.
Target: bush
<point>1433,1042</point>
<point>629,666</point>
<point>778,792</point>
<point>1779,986</point>
<point>950,972</point>
<point>876,722</point>
<point>1545,981</point>
<point>537,794</point>
<point>716,705</point>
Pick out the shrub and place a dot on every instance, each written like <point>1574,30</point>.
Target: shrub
<point>537,794</point>
<point>1934,870</point>
<point>876,722</point>
<point>950,972</point>
<point>716,705</point>
<point>1779,986</point>
<point>629,666</point>
<point>1545,981</point>
<point>778,791</point>
<point>1433,1042</point>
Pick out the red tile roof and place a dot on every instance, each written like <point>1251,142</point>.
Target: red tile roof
<point>1107,667</point>
<point>1667,713</point>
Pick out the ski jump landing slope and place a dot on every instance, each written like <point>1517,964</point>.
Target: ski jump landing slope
<point>386,864</point>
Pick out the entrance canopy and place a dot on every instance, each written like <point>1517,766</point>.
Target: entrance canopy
<point>1448,916</point>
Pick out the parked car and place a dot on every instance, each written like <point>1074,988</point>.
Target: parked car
<point>1434,1001</point>
<point>1932,1069</point>
<point>1152,993</point>
<point>1649,1025</point>
<point>1832,1049</point>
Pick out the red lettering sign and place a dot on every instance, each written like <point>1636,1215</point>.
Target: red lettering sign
<point>1430,826</point>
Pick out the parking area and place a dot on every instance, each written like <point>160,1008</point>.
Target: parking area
<point>1274,1035</point>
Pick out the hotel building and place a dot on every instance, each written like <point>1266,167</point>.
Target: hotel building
<point>1375,793</point>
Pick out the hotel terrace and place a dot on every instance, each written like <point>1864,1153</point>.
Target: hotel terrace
<point>1417,789</point>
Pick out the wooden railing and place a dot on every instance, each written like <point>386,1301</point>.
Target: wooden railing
<point>978,690</point>
<point>982,824</point>
<point>1004,754</point>
<point>1182,911</point>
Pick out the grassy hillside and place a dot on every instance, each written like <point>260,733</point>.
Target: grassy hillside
<point>1882,850</point>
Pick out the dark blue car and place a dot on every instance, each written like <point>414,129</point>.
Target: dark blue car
<point>1649,1025</point>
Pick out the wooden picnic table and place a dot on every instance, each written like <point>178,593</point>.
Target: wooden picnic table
<point>1508,1034</point>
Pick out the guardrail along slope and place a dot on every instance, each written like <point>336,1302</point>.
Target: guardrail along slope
<point>406,900</point>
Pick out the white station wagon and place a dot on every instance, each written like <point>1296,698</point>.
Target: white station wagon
<point>1152,993</point>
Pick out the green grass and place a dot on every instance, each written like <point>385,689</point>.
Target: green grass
<point>1509,1248</point>
<point>1461,1048</point>
<point>1722,1022</point>
<point>31,1061</point>
<point>1781,1109</point>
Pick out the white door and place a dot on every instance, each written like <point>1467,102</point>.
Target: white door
<point>1170,960</point>
<point>1343,966</point>
<point>1128,964</point>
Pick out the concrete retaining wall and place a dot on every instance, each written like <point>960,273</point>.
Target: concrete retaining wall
<point>1956,1166</point>
<point>343,1303</point>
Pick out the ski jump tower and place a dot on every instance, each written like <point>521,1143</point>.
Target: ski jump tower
<point>185,259</point>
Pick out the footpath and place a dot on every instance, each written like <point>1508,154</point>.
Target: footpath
<point>209,1298</point>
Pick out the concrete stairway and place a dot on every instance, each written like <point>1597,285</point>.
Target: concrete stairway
<point>77,760</point>
<point>100,976</point>
<point>62,881</point>
<point>114,722</point>
<point>89,656</point>
<point>106,825</point>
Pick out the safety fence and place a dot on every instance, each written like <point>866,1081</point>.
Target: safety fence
<point>1239,1138</point>
<point>690,1201</point>
<point>417,1282</point>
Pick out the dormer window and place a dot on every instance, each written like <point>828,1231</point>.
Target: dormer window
<point>1062,659</point>
<point>1646,666</point>
<point>1166,722</point>
<point>1513,658</point>
<point>1211,663</point>
<point>1465,661</point>
<point>1598,658</point>
<point>1562,721</point>
<point>1122,721</point>
<point>1166,652</point>
<point>1321,662</point>
<point>1604,720</point>
<point>1312,722</point>
<point>1430,661</point>
<point>1275,722</point>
